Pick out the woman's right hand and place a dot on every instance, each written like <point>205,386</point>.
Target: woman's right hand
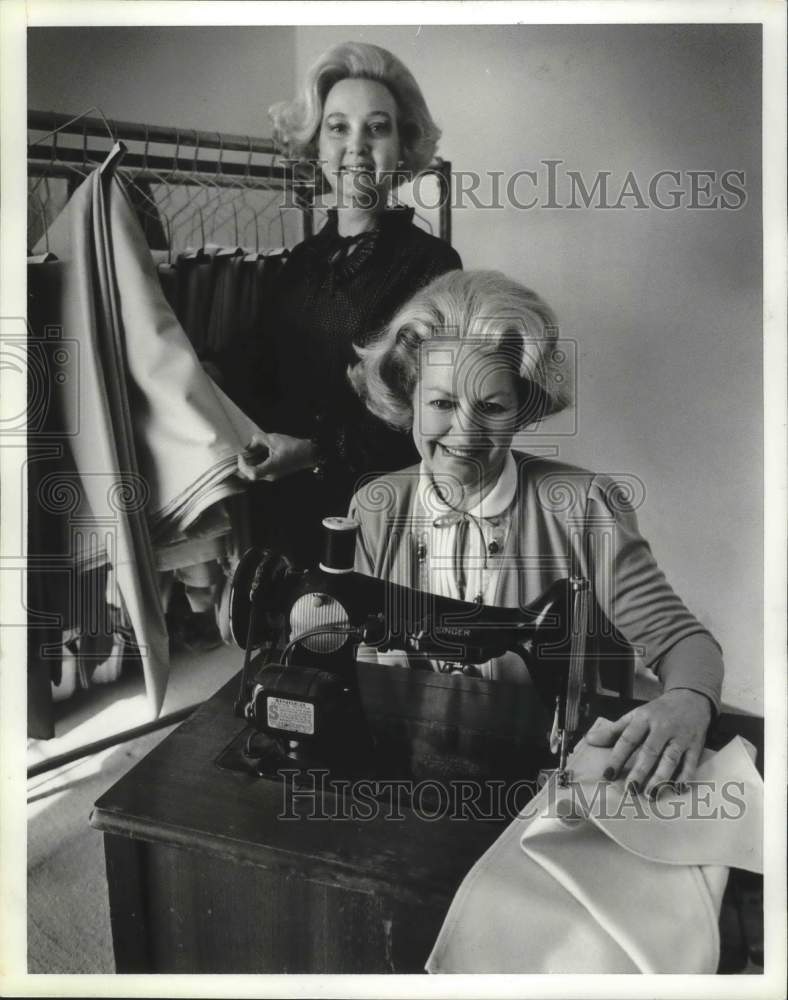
<point>274,456</point>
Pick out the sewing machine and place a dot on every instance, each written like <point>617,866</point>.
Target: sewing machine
<point>276,888</point>
<point>301,631</point>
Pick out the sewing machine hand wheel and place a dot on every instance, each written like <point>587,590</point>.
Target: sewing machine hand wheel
<point>257,592</point>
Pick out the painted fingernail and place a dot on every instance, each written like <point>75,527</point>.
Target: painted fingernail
<point>653,793</point>
<point>634,785</point>
<point>609,773</point>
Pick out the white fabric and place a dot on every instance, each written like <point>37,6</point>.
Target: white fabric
<point>187,432</point>
<point>616,888</point>
<point>157,441</point>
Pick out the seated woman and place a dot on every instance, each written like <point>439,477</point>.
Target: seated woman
<point>470,360</point>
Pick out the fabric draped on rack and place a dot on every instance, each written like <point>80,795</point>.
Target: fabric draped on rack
<point>606,884</point>
<point>156,441</point>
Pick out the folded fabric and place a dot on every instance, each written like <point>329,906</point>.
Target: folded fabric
<point>190,432</point>
<point>594,879</point>
<point>157,440</point>
<point>187,432</point>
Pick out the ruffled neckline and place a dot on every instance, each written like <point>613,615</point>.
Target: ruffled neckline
<point>332,250</point>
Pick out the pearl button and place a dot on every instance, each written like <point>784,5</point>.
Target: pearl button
<point>493,547</point>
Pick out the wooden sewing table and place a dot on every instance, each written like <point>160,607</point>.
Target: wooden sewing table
<point>204,877</point>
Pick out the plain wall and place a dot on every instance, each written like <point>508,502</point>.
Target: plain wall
<point>205,78</point>
<point>664,306</point>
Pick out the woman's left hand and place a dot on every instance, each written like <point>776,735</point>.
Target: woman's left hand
<point>663,739</point>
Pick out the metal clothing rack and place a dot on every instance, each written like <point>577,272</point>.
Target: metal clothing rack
<point>168,158</point>
<point>175,177</point>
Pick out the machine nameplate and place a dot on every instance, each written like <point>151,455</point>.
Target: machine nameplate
<point>292,716</point>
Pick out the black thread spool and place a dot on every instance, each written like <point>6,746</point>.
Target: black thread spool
<point>339,544</point>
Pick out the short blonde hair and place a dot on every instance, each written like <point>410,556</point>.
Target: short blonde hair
<point>479,306</point>
<point>297,122</point>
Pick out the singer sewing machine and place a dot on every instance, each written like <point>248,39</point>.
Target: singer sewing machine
<point>302,630</point>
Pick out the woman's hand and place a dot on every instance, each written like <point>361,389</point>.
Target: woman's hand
<point>275,456</point>
<point>663,739</point>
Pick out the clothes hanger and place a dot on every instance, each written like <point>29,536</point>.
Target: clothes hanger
<point>221,199</point>
<point>41,207</point>
<point>74,120</point>
<point>161,205</point>
<point>259,215</point>
<point>172,186</point>
<point>238,248</point>
<point>166,178</point>
<point>55,132</point>
<point>113,158</point>
<point>250,256</point>
<point>38,206</point>
<point>253,194</point>
<point>147,202</point>
<point>199,251</point>
<point>193,252</point>
<point>278,218</point>
<point>302,174</point>
<point>191,203</point>
<point>214,188</point>
<point>52,158</point>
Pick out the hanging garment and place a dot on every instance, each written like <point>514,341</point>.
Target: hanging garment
<point>147,211</point>
<point>157,444</point>
<point>195,273</point>
<point>168,278</point>
<point>223,299</point>
<point>259,278</point>
<point>608,882</point>
<point>223,320</point>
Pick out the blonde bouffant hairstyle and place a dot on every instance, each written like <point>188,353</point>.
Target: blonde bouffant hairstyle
<point>484,308</point>
<point>297,123</point>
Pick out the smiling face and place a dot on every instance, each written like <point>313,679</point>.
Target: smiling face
<point>465,414</point>
<point>358,143</point>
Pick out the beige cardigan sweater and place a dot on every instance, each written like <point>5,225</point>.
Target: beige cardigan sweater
<point>567,521</point>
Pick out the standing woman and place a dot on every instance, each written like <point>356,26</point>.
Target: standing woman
<point>362,117</point>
